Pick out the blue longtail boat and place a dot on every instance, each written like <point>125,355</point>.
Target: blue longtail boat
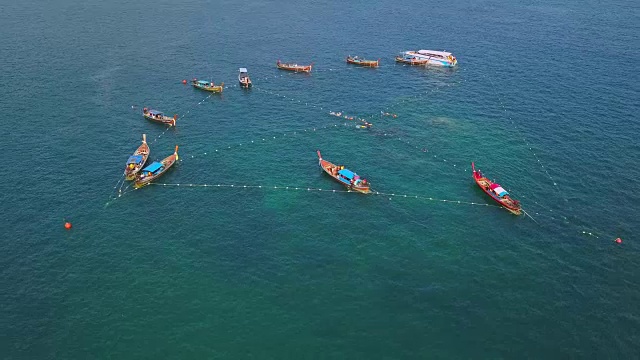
<point>137,160</point>
<point>155,170</point>
<point>344,176</point>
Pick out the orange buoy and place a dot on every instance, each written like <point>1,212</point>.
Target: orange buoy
<point>184,81</point>
<point>618,241</point>
<point>67,225</point>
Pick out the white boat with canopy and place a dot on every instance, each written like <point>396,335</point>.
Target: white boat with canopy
<point>430,57</point>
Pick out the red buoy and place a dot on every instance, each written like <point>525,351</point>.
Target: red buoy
<point>184,81</point>
<point>67,225</point>
<point>618,241</point>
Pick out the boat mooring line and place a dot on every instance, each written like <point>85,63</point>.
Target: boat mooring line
<point>495,92</point>
<point>311,189</point>
<point>121,179</point>
<point>263,140</point>
<point>322,107</point>
<point>420,95</point>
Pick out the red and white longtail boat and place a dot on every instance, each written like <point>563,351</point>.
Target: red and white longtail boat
<point>496,192</point>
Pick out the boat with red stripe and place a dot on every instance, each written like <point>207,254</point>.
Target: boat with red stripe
<point>496,192</point>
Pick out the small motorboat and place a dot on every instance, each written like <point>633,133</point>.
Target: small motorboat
<point>243,78</point>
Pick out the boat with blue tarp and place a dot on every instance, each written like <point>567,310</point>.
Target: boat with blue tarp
<point>159,117</point>
<point>137,160</point>
<point>496,192</point>
<point>344,176</point>
<point>207,86</point>
<point>155,170</point>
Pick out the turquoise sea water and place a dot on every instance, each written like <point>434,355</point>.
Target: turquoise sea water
<point>545,101</point>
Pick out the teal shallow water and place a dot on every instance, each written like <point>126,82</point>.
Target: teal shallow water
<point>255,273</point>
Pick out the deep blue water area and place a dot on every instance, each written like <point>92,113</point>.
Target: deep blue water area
<point>544,101</point>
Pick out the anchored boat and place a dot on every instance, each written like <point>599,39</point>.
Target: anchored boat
<point>159,117</point>
<point>428,57</point>
<point>155,170</point>
<point>243,78</point>
<point>207,86</point>
<point>137,160</point>
<point>496,192</point>
<point>410,60</point>
<point>344,176</point>
<point>294,67</point>
<point>362,62</point>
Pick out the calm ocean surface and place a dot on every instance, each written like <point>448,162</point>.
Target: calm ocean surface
<point>545,100</point>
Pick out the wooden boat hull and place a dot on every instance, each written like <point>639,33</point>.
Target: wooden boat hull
<point>365,63</point>
<point>143,150</point>
<point>484,184</point>
<point>169,121</point>
<point>294,67</point>
<point>331,169</point>
<point>213,89</point>
<point>167,163</point>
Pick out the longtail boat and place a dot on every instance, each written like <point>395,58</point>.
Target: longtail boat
<point>155,170</point>
<point>157,116</point>
<point>243,78</point>
<point>496,192</point>
<point>411,60</point>
<point>294,67</point>
<point>362,62</point>
<point>207,86</point>
<point>344,176</point>
<point>137,160</point>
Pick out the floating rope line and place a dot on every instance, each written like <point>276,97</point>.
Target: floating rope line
<point>544,169</point>
<point>120,183</point>
<point>121,193</point>
<point>264,139</point>
<point>339,114</point>
<point>311,189</point>
<point>291,99</point>
<point>515,126</point>
<point>420,95</point>
<point>554,215</point>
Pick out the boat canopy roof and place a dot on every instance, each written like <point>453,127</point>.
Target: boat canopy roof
<point>434,52</point>
<point>155,112</point>
<point>243,70</point>
<point>134,159</point>
<point>347,173</point>
<point>155,166</point>
<point>500,191</point>
<point>202,82</point>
